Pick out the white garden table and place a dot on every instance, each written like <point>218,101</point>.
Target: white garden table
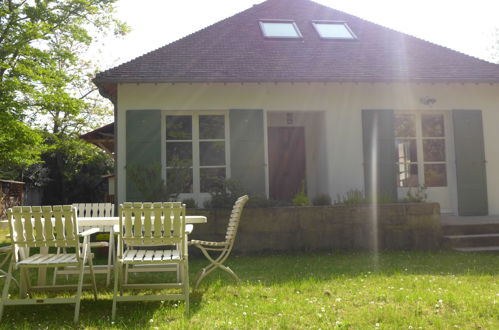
<point>108,222</point>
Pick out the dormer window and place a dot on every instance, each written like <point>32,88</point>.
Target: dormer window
<point>280,29</point>
<point>333,30</point>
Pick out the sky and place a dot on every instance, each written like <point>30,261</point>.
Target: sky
<point>463,25</point>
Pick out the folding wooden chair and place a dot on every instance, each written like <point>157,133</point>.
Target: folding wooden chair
<point>95,210</point>
<point>152,226</point>
<point>46,227</point>
<point>223,248</point>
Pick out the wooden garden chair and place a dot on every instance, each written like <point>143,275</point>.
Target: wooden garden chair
<point>161,229</point>
<point>44,227</point>
<point>222,248</point>
<point>95,210</point>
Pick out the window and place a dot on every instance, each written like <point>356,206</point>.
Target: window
<point>420,148</point>
<point>333,30</point>
<point>280,29</point>
<point>196,148</point>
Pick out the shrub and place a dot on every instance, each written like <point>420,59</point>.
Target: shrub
<point>320,200</point>
<point>190,203</point>
<point>353,196</point>
<point>418,195</point>
<point>301,199</point>
<point>224,193</point>
<point>148,181</point>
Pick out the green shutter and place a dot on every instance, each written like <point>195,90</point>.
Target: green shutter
<point>143,145</point>
<point>379,149</point>
<point>247,151</point>
<point>470,162</point>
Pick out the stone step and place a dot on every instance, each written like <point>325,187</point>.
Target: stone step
<point>470,229</point>
<point>478,249</point>
<point>463,241</point>
<point>471,236</point>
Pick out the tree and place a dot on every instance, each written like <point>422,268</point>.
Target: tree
<point>41,42</point>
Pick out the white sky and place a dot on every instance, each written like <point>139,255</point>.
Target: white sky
<point>463,25</point>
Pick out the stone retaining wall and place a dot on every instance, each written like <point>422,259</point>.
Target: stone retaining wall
<point>316,228</point>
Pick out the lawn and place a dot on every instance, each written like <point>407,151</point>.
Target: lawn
<point>404,290</point>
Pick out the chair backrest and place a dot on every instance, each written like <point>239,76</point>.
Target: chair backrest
<point>44,226</point>
<point>235,216</point>
<point>152,224</point>
<point>94,210</point>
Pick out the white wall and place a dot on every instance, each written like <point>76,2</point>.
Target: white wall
<point>341,104</point>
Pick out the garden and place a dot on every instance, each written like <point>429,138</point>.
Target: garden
<point>357,290</point>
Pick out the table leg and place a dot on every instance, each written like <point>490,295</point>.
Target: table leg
<point>42,271</point>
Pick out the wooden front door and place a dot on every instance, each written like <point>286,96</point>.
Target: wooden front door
<point>286,161</point>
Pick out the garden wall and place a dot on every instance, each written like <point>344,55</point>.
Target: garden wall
<point>316,228</point>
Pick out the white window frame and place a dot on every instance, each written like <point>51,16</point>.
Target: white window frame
<point>315,23</point>
<point>196,194</point>
<point>291,22</point>
<point>419,145</point>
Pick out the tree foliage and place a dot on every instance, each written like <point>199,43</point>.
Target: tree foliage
<point>44,83</point>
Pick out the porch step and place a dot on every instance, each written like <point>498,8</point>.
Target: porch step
<point>470,229</point>
<point>476,240</point>
<point>478,249</point>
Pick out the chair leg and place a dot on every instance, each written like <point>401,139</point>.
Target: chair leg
<point>231,272</point>
<point>54,276</point>
<point>78,292</point>
<point>115,293</point>
<point>126,274</point>
<point>185,278</point>
<point>110,258</point>
<point>23,285</point>
<point>92,274</point>
<point>199,278</point>
<point>6,286</point>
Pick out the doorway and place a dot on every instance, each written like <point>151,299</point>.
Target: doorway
<point>286,146</point>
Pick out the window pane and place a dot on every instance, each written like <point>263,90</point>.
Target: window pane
<point>210,177</point>
<point>279,30</point>
<point>178,152</point>
<point>405,125</point>
<point>406,150</point>
<point>408,175</point>
<point>211,153</point>
<point>211,127</point>
<point>433,125</point>
<point>178,127</point>
<point>333,30</point>
<point>179,180</point>
<point>434,150</point>
<point>435,175</point>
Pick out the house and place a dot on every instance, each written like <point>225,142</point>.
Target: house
<point>291,93</point>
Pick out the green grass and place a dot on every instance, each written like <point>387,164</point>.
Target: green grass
<point>405,290</point>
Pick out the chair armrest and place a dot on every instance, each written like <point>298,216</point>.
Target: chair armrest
<point>89,232</point>
<point>206,243</point>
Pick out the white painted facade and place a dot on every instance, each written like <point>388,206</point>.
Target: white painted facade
<point>331,115</point>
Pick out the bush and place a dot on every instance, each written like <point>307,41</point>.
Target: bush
<point>190,203</point>
<point>353,196</point>
<point>321,200</point>
<point>224,193</point>
<point>418,195</point>
<point>301,199</point>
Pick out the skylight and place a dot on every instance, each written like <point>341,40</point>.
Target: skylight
<point>333,30</point>
<point>280,29</point>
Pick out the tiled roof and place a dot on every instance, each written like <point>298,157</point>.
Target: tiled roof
<point>234,50</point>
